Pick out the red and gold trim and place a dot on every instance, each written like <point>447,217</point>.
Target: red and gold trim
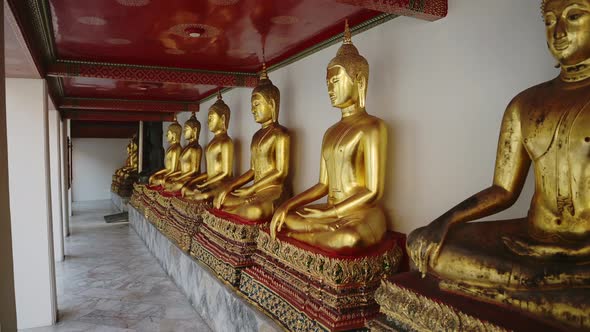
<point>151,74</point>
<point>430,10</point>
<point>318,290</point>
<point>115,116</point>
<point>225,243</point>
<point>127,105</point>
<point>411,302</point>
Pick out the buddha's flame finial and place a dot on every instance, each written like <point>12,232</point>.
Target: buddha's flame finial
<point>263,73</point>
<point>219,94</point>
<point>193,115</point>
<point>174,117</point>
<point>347,35</point>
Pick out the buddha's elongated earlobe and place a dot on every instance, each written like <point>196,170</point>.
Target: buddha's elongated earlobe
<point>362,89</point>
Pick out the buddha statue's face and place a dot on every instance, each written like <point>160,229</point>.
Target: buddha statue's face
<point>568,30</point>
<point>262,109</point>
<point>342,89</point>
<point>169,135</point>
<point>214,121</point>
<point>189,132</point>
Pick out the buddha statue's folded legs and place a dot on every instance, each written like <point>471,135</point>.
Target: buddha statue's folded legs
<point>362,228</point>
<point>490,255</point>
<point>258,206</point>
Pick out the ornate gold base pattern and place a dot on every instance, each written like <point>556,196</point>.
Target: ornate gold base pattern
<point>418,313</point>
<point>184,218</point>
<point>336,292</point>
<point>123,188</point>
<point>277,307</point>
<point>225,244</point>
<point>223,270</point>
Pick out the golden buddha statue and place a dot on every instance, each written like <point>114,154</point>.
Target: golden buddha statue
<point>537,263</point>
<point>352,168</point>
<point>172,155</point>
<point>131,163</point>
<point>219,156</point>
<point>190,157</point>
<point>269,161</point>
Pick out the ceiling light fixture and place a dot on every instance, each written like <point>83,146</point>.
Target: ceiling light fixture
<point>194,32</point>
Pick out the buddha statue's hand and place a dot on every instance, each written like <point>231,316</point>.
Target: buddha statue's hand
<point>424,244</point>
<point>278,219</point>
<point>315,213</point>
<point>243,192</point>
<point>219,199</point>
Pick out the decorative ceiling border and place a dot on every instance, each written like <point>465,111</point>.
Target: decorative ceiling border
<point>154,74</point>
<point>122,116</point>
<point>110,104</point>
<point>430,10</point>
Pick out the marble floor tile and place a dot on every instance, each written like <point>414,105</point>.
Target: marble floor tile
<point>110,282</point>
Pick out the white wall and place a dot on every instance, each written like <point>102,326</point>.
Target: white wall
<point>56,183</point>
<point>30,201</point>
<point>442,88</point>
<point>94,161</point>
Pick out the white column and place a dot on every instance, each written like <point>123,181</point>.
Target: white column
<point>56,192</point>
<point>30,202</point>
<point>64,178</point>
<point>7,301</point>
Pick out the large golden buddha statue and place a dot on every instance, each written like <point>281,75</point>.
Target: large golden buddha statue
<point>219,156</point>
<point>542,262</point>
<point>172,154</point>
<point>352,168</point>
<point>269,161</point>
<point>190,157</point>
<point>131,163</point>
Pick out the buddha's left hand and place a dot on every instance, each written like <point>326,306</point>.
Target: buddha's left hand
<point>315,213</point>
<point>241,192</point>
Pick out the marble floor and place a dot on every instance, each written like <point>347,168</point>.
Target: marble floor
<point>110,282</point>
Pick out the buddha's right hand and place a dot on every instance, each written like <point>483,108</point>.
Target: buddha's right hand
<point>219,199</point>
<point>278,219</point>
<point>424,244</point>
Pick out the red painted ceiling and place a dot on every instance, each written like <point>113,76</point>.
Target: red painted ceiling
<point>109,88</point>
<point>103,52</point>
<point>234,32</point>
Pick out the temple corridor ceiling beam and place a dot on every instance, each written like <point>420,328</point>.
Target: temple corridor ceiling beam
<point>430,10</point>
<point>118,116</point>
<point>153,106</point>
<point>150,74</point>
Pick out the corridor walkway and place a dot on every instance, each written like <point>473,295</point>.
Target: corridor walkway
<point>110,282</point>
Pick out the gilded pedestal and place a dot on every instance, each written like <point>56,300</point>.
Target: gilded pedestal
<point>225,242</point>
<point>124,187</point>
<point>184,219</point>
<point>412,303</point>
<point>305,288</point>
